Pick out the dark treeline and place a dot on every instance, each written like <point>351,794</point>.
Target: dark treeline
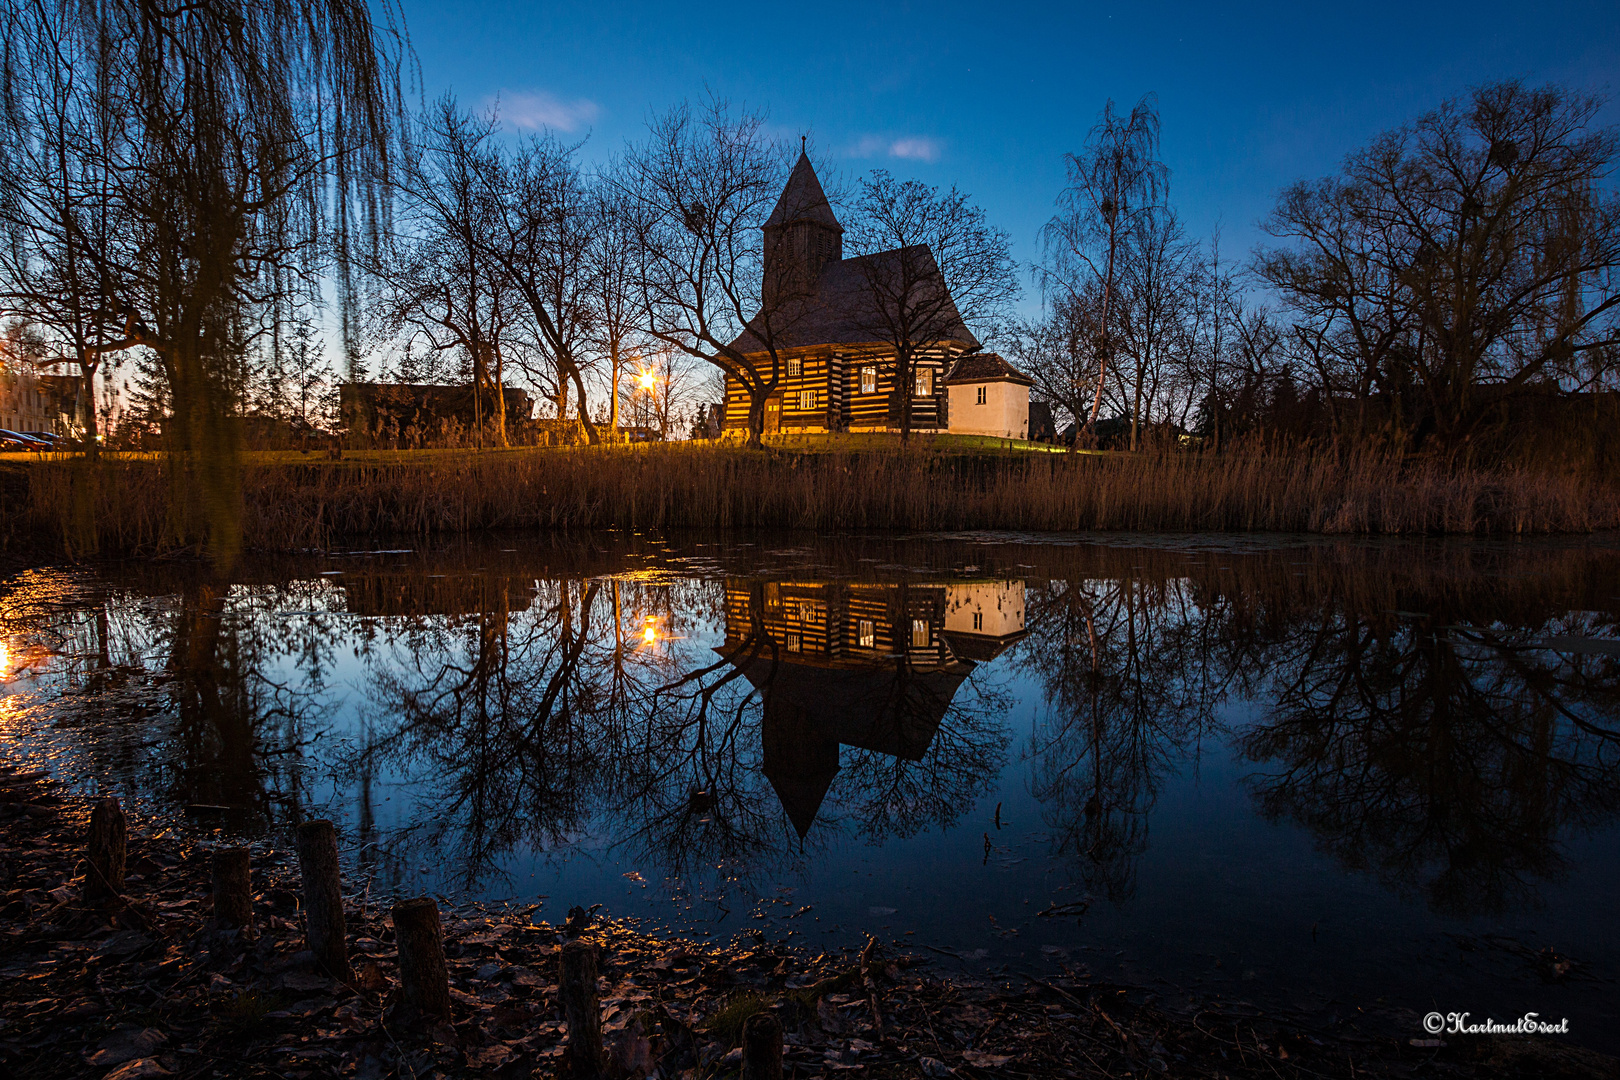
<point>1450,290</point>
<point>1444,724</point>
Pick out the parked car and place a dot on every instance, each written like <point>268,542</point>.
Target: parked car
<point>51,437</point>
<point>16,440</point>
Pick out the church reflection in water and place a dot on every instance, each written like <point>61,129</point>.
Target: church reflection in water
<point>863,664</point>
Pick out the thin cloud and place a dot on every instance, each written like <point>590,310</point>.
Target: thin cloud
<point>906,148</point>
<point>533,110</point>
<point>915,149</point>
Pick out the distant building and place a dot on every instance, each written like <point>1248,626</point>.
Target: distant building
<point>400,407</point>
<point>988,396</point>
<point>24,401</point>
<point>1041,426</point>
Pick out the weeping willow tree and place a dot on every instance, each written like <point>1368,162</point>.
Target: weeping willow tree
<point>250,155</point>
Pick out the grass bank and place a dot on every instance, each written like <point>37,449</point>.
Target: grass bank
<point>294,503</point>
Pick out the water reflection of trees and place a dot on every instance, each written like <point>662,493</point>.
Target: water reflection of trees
<point>564,723</point>
<point>185,685</point>
<point>1127,690</point>
<point>1429,751</point>
<point>1443,719</point>
<point>1437,723</point>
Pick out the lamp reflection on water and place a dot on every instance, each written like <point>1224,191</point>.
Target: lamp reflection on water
<point>650,633</point>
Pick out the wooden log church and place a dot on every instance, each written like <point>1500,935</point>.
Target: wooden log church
<point>838,371</point>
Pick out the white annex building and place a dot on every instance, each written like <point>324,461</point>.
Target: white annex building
<point>988,396</point>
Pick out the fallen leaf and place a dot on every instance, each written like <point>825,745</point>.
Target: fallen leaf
<point>488,1057</point>
<point>126,1045</point>
<point>305,982</point>
<point>139,1069</point>
<point>985,1061</point>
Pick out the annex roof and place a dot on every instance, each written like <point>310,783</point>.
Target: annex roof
<point>986,367</point>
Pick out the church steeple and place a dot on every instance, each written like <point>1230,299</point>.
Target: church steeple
<point>802,235</point>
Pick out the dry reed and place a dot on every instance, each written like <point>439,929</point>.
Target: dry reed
<point>298,506</point>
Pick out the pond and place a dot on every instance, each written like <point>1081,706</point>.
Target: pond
<point>1334,777</point>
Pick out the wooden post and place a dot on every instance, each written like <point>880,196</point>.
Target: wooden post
<point>762,1047</point>
<point>233,895</point>
<point>104,852</point>
<point>577,988</point>
<point>422,972</point>
<point>323,898</point>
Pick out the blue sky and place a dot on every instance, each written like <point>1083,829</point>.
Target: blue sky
<point>989,96</point>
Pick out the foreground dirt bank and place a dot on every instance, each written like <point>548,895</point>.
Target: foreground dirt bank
<point>148,988</point>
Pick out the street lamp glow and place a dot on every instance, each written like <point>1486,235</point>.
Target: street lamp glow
<point>646,381</point>
<point>650,634</point>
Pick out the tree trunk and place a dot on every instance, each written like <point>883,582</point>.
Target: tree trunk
<point>757,396</point>
<point>422,971</point>
<point>591,435</point>
<point>576,986</point>
<point>233,892</point>
<point>324,927</point>
<point>500,398</point>
<point>104,853</point>
<point>92,448</point>
<point>613,400</point>
<point>904,375</point>
<point>1136,407</point>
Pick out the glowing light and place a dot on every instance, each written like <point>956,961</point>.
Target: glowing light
<point>646,380</point>
<point>5,660</point>
<point>650,633</point>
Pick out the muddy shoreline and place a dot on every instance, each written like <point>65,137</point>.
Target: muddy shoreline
<point>149,987</point>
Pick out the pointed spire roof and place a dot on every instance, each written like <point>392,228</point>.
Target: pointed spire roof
<point>803,199</point>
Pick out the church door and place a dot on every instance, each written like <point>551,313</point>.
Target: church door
<point>773,414</point>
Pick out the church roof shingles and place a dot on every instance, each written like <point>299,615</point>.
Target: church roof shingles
<point>844,312</point>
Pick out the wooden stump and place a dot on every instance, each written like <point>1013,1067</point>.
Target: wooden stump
<point>323,898</point>
<point>422,972</point>
<point>104,853</point>
<point>576,986</point>
<point>762,1047</point>
<point>233,894</point>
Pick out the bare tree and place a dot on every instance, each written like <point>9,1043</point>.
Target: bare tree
<point>65,230</point>
<point>701,187</point>
<point>438,281</point>
<point>1459,261</point>
<point>615,327</point>
<point>544,218</point>
<point>930,264</point>
<point>1157,267</point>
<point>1113,182</point>
<point>1058,351</point>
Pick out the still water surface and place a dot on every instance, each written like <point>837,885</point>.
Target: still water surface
<point>1323,775</point>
